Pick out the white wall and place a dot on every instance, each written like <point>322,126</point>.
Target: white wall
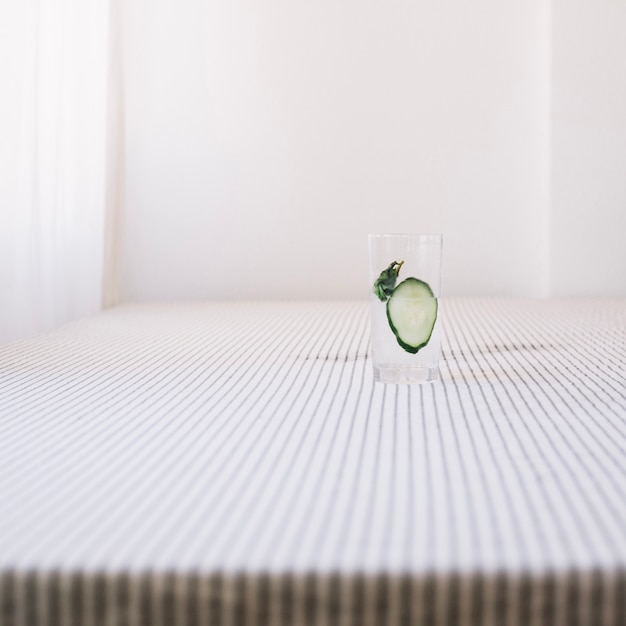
<point>589,147</point>
<point>265,140</point>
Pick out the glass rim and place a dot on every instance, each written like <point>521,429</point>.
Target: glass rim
<point>405,235</point>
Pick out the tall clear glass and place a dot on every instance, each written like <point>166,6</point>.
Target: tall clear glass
<point>405,305</point>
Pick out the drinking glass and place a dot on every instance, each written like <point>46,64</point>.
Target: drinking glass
<point>405,307</point>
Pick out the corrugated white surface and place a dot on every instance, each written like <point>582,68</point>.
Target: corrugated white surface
<point>215,439</point>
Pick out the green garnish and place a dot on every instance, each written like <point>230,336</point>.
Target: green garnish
<point>412,313</point>
<point>386,282</point>
<point>411,307</point>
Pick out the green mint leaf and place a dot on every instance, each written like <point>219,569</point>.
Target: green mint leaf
<point>386,282</point>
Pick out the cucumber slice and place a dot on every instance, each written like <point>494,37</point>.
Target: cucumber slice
<point>412,313</point>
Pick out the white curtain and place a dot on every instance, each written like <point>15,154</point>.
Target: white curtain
<point>57,145</point>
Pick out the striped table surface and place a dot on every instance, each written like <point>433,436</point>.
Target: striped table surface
<point>234,463</point>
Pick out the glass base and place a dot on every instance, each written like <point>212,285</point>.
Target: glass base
<point>400,374</point>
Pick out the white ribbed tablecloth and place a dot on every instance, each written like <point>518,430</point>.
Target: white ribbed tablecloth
<point>235,464</point>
